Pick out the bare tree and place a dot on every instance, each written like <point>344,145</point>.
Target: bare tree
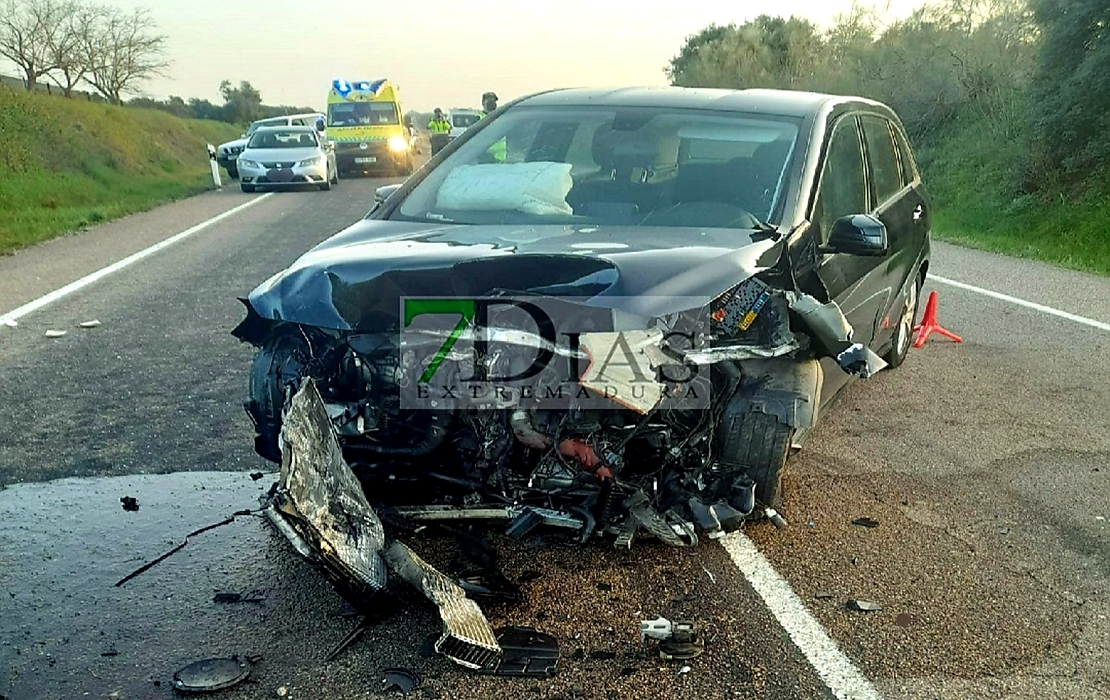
<point>121,51</point>
<point>66,47</point>
<point>28,29</point>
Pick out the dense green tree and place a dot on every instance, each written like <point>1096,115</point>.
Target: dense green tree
<point>1071,90</point>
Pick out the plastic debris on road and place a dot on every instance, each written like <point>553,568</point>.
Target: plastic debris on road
<point>864,606</point>
<point>211,675</point>
<point>399,680</point>
<point>55,334</point>
<point>10,322</point>
<point>88,324</point>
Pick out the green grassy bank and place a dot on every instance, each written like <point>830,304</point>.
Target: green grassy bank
<point>973,173</point>
<point>68,164</point>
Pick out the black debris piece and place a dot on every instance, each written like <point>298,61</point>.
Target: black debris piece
<point>399,680</point>
<point>110,652</point>
<point>864,606</point>
<point>866,522</point>
<point>252,597</point>
<point>578,655</point>
<point>603,655</point>
<point>257,475</point>
<point>129,504</point>
<point>360,627</point>
<point>178,548</point>
<point>491,586</point>
<point>527,653</point>
<point>210,675</point>
<point>606,587</point>
<point>530,576</point>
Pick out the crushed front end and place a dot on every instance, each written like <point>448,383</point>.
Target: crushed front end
<point>628,429</point>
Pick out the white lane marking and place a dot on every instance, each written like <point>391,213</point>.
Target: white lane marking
<point>1021,302</point>
<point>838,673</point>
<point>119,265</point>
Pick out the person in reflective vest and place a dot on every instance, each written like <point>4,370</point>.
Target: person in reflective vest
<point>439,123</point>
<point>440,129</point>
<point>489,104</point>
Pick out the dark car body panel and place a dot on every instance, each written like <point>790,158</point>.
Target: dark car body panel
<point>352,280</point>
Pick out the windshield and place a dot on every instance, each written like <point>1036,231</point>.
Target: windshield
<point>464,120</point>
<point>362,114</point>
<point>638,166</point>
<point>265,122</point>
<point>283,139</point>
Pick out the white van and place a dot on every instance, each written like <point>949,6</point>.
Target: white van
<point>461,120</point>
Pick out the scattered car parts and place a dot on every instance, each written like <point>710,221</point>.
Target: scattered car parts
<point>399,680</point>
<point>210,675</point>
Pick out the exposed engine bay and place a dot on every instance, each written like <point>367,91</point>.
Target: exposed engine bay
<point>646,467</point>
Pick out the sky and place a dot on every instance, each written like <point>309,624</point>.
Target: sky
<point>440,54</point>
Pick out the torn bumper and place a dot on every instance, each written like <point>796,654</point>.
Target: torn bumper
<point>319,506</point>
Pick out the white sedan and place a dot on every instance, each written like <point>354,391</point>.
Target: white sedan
<point>287,156</point>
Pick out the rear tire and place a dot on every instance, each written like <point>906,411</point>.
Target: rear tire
<point>903,334</point>
<point>758,443</point>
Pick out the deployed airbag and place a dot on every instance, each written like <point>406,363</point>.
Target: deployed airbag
<point>539,188</point>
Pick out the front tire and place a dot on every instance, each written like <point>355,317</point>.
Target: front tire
<point>758,443</point>
<point>279,363</point>
<point>246,188</point>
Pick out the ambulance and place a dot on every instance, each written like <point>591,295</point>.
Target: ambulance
<point>366,124</point>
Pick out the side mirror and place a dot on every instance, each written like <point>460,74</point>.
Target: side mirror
<point>857,234</point>
<point>320,125</point>
<point>383,193</point>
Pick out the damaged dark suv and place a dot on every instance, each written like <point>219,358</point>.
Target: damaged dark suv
<point>615,244</point>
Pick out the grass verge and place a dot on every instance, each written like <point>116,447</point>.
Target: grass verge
<point>973,176</point>
<point>67,164</point>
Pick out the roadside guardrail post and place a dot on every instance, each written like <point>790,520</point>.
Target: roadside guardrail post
<point>215,167</point>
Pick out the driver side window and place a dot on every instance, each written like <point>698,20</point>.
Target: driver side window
<point>843,189</point>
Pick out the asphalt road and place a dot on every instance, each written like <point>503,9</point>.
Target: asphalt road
<point>985,463</point>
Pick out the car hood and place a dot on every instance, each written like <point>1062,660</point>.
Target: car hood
<point>281,155</point>
<point>355,279</point>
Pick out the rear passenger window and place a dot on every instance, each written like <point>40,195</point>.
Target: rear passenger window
<point>909,168</point>
<point>843,187</point>
<point>885,174</point>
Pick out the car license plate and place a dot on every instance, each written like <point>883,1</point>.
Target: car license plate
<point>366,160</point>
